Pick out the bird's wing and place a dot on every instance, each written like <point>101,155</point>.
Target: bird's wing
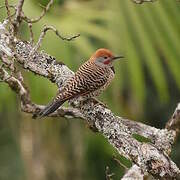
<point>86,80</point>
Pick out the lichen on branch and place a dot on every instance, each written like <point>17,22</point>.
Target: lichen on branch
<point>147,157</point>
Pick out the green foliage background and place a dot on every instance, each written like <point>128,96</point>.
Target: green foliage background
<point>146,87</point>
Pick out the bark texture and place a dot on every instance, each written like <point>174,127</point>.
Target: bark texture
<point>148,158</point>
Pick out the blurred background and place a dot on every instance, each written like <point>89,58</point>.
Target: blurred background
<point>146,87</point>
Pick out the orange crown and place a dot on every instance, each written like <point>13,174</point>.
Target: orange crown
<point>100,53</point>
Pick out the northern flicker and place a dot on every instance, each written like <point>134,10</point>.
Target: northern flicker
<point>89,80</point>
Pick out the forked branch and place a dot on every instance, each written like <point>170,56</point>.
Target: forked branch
<point>148,158</point>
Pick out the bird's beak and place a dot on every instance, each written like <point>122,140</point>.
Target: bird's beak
<point>117,57</point>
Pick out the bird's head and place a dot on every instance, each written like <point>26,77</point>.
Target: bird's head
<point>104,57</point>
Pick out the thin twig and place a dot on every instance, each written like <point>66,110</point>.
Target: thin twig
<point>142,1</point>
<point>119,162</point>
<point>19,10</point>
<point>43,33</point>
<point>8,11</point>
<point>34,20</point>
<point>17,19</point>
<point>174,121</point>
<point>31,33</point>
<point>108,174</point>
<point>11,6</point>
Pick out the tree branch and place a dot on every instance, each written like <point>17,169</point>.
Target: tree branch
<point>43,33</point>
<point>134,173</point>
<point>18,86</point>
<point>149,158</point>
<point>34,20</point>
<point>174,122</point>
<point>142,1</point>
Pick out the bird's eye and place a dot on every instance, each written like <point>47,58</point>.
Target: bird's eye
<point>105,57</point>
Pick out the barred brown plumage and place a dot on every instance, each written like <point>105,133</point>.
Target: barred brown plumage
<point>89,81</point>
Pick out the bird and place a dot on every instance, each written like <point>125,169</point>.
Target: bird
<point>90,80</point>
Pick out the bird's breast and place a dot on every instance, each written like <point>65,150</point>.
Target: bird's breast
<point>90,80</point>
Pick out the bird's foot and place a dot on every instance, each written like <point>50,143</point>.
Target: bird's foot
<point>97,102</point>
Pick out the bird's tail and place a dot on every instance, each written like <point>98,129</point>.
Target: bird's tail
<point>50,108</point>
